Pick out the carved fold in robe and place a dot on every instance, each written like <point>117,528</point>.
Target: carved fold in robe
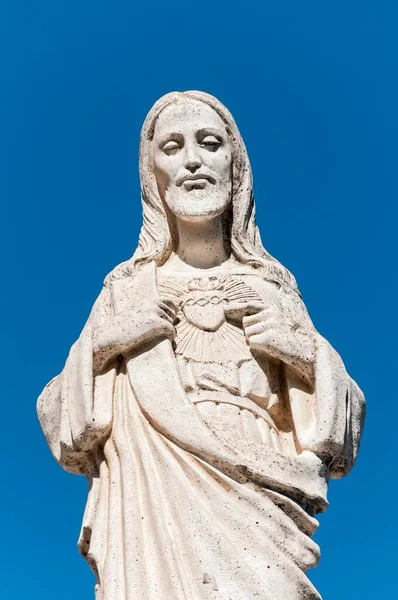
<point>174,510</point>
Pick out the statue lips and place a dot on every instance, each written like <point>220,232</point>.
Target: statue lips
<point>205,309</point>
<point>195,177</point>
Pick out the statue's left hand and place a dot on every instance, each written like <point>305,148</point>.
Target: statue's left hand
<point>270,332</point>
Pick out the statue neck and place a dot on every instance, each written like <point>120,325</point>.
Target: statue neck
<point>201,244</point>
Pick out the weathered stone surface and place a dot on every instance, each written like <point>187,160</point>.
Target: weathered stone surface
<point>200,402</point>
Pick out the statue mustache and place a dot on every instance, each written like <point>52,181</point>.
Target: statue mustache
<point>193,177</point>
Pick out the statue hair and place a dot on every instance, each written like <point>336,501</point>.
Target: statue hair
<point>158,236</point>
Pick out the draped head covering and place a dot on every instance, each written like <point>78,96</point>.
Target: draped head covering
<point>158,233</point>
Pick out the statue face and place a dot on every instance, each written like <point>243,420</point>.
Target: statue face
<point>192,157</point>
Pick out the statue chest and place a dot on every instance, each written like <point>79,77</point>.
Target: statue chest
<point>204,331</point>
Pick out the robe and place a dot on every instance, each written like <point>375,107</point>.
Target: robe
<point>174,511</point>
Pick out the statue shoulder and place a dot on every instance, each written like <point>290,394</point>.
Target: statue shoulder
<point>280,286</point>
<point>122,271</point>
<point>104,306</point>
<point>272,279</point>
<point>126,283</point>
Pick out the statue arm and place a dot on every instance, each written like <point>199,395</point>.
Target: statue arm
<point>283,331</point>
<point>329,416</point>
<point>75,408</point>
<point>303,333</point>
<point>138,316</point>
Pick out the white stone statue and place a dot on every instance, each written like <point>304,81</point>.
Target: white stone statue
<point>203,407</point>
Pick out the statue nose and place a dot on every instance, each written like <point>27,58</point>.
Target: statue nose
<point>192,165</point>
<point>192,159</point>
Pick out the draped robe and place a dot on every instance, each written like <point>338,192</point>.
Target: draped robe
<point>174,511</point>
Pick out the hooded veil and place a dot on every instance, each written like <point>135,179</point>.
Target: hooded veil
<point>173,512</point>
<point>158,235</point>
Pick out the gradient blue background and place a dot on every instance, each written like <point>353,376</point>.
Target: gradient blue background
<point>313,87</point>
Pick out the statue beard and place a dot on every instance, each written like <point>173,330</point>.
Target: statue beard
<point>198,204</point>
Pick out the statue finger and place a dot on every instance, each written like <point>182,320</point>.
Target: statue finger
<point>267,312</point>
<point>168,308</point>
<point>252,319</point>
<point>254,329</point>
<point>253,308</point>
<point>165,315</point>
<point>245,308</point>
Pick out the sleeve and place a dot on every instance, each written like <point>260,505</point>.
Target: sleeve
<point>75,408</point>
<point>328,419</point>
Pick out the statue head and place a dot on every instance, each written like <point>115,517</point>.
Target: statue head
<point>192,160</point>
<point>194,165</point>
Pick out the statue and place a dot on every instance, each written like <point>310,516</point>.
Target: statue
<point>203,407</point>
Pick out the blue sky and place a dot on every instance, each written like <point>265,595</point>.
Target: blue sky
<point>313,87</point>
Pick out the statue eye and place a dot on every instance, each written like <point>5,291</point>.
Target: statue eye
<point>211,143</point>
<point>171,147</point>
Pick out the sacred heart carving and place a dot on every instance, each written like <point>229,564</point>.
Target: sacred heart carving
<point>203,333</point>
<point>205,309</point>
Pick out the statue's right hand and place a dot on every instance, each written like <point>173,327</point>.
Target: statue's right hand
<point>131,328</point>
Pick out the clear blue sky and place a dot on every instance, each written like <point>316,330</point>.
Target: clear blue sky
<point>313,86</point>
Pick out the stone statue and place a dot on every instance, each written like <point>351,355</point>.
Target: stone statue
<point>203,407</point>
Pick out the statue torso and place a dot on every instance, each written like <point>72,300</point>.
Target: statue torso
<point>235,392</point>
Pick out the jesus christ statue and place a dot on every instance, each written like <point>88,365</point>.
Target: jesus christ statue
<point>200,402</point>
